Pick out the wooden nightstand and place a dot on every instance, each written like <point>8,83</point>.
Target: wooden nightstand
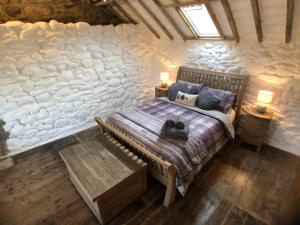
<point>254,127</point>
<point>161,92</point>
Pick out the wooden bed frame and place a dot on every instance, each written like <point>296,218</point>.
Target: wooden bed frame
<point>162,170</point>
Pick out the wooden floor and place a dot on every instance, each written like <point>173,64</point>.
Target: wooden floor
<point>239,186</point>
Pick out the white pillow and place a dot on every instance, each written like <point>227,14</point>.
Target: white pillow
<point>186,99</point>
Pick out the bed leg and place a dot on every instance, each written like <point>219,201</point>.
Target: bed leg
<point>171,186</point>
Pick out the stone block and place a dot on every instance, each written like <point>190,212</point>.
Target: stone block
<point>43,98</point>
<point>18,130</point>
<point>26,100</point>
<point>61,123</point>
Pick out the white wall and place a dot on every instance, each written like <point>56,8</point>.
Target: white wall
<point>54,78</point>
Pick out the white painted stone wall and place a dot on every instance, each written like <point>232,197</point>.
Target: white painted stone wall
<point>54,78</point>
<point>272,65</point>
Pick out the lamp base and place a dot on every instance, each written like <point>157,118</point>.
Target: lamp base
<point>261,109</point>
<point>164,85</point>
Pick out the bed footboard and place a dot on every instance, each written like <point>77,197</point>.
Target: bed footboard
<point>163,171</point>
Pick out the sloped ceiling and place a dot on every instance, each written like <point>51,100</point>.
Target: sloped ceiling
<point>273,15</point>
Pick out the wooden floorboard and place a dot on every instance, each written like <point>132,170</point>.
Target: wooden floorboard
<point>238,186</point>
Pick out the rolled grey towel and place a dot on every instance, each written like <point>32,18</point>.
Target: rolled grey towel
<point>174,133</point>
<point>180,125</point>
<point>170,121</point>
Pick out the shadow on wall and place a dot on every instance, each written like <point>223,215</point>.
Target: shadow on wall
<point>3,138</point>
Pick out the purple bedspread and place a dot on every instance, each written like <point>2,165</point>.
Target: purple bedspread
<point>207,136</point>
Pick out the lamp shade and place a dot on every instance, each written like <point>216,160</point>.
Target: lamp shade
<point>164,76</point>
<point>265,96</point>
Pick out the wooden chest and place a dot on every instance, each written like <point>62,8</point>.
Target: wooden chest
<point>106,175</point>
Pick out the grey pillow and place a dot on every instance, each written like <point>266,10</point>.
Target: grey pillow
<point>192,88</point>
<point>208,101</point>
<point>173,90</point>
<point>226,97</point>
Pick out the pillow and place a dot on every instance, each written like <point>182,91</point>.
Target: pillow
<point>173,90</point>
<point>226,97</point>
<point>192,88</point>
<point>186,99</point>
<point>208,101</point>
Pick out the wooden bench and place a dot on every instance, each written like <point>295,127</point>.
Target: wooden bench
<point>106,175</point>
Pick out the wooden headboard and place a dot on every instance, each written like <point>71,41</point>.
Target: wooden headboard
<point>229,82</point>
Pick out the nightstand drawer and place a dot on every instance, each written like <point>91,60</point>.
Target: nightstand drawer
<point>255,123</point>
<point>255,128</point>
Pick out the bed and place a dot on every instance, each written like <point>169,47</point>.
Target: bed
<point>175,163</point>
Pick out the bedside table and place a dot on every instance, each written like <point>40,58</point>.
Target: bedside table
<point>161,92</point>
<point>254,127</point>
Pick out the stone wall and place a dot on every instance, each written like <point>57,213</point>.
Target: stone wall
<point>56,77</point>
<point>63,11</point>
<point>272,66</point>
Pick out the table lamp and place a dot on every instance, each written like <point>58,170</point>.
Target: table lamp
<point>263,98</point>
<point>164,77</point>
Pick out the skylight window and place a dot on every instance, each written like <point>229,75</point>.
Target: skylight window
<point>200,21</point>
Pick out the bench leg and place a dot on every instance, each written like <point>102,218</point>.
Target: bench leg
<point>171,187</point>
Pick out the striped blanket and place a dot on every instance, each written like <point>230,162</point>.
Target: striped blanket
<point>206,137</point>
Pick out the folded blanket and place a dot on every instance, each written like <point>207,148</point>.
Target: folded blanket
<point>174,133</point>
<point>171,121</point>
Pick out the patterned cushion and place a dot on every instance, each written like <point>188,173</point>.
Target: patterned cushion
<point>173,90</point>
<point>226,97</point>
<point>192,88</point>
<point>186,99</point>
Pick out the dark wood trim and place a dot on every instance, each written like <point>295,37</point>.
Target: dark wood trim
<point>289,21</point>
<point>154,17</point>
<point>123,11</point>
<point>141,18</point>
<point>231,20</point>
<point>257,19</point>
<point>169,18</point>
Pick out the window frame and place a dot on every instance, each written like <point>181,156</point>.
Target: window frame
<point>192,27</point>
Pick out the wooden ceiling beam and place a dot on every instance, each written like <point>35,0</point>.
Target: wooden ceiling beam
<point>231,20</point>
<point>154,17</point>
<point>169,18</point>
<point>289,21</point>
<point>257,20</point>
<point>116,13</point>
<point>180,4</point>
<point>188,3</point>
<point>123,11</point>
<point>214,18</point>
<point>142,19</point>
